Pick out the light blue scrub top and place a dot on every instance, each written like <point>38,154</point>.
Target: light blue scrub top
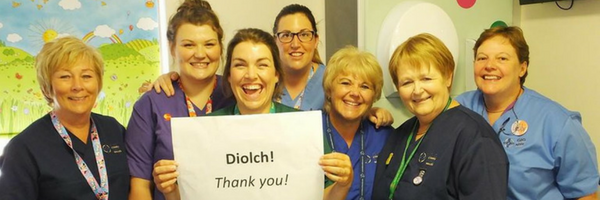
<point>554,159</point>
<point>314,97</point>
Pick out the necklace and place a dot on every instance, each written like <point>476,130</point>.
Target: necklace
<point>362,154</point>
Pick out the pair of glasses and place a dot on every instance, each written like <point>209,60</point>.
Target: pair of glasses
<point>303,36</point>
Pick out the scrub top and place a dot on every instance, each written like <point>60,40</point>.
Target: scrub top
<point>148,137</point>
<point>38,164</point>
<point>313,98</point>
<point>553,151</point>
<point>459,157</point>
<point>373,143</point>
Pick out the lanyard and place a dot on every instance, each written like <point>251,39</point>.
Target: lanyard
<point>190,106</point>
<point>236,110</point>
<point>362,155</point>
<point>404,162</point>
<point>298,102</point>
<point>101,191</point>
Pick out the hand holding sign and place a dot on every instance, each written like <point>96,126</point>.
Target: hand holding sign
<point>165,176</point>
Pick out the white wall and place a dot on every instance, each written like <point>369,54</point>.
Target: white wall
<point>238,14</point>
<point>469,24</point>
<point>565,57</point>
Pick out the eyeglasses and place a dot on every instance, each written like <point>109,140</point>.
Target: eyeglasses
<point>303,36</point>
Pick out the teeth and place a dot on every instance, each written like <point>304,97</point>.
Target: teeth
<point>251,87</point>
<point>491,77</point>
<point>199,64</point>
<point>77,98</point>
<point>297,54</point>
<point>351,103</point>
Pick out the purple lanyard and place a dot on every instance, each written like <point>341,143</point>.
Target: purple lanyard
<point>102,191</point>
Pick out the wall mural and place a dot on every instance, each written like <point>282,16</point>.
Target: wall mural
<point>124,31</point>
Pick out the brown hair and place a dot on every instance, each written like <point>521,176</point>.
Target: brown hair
<point>515,37</point>
<point>196,12</point>
<point>297,8</point>
<point>256,36</point>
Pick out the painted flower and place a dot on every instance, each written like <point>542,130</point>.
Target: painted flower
<point>14,108</point>
<point>26,111</point>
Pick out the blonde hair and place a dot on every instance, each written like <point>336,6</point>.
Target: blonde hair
<point>64,52</point>
<point>350,61</point>
<point>422,51</point>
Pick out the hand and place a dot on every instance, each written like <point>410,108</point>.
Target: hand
<point>165,176</point>
<point>380,117</point>
<point>338,168</point>
<point>164,82</point>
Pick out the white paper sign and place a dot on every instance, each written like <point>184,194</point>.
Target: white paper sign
<point>267,156</point>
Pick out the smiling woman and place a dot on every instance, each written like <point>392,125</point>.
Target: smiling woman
<point>70,137</point>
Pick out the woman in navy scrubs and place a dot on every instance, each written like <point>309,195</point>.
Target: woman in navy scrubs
<point>446,151</point>
<point>70,153</point>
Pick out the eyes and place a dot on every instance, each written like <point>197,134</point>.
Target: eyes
<point>407,82</point>
<point>68,76</point>
<point>191,45</point>
<point>349,83</point>
<point>482,58</point>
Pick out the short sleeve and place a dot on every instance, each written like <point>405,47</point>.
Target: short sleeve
<point>577,173</point>
<point>140,139</point>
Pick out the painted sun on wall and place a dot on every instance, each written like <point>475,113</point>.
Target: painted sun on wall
<point>124,31</point>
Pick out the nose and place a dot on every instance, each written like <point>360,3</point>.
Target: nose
<point>77,84</point>
<point>200,52</point>
<point>295,41</point>
<point>418,89</point>
<point>251,72</point>
<point>489,65</point>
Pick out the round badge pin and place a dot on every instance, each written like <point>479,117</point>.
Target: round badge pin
<point>422,157</point>
<point>519,127</point>
<point>418,180</point>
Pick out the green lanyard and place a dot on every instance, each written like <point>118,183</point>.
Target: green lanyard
<point>236,110</point>
<point>404,162</point>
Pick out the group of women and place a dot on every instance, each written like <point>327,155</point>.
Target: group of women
<point>447,151</point>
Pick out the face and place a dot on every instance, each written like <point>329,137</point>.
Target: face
<point>74,89</point>
<point>296,55</point>
<point>197,51</point>
<point>423,90</point>
<point>497,67</point>
<point>351,97</point>
<point>252,77</point>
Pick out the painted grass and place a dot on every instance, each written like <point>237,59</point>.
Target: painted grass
<point>21,101</point>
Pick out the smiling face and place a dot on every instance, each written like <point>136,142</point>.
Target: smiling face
<point>423,90</point>
<point>296,55</point>
<point>197,51</point>
<point>74,89</point>
<point>252,77</point>
<point>351,97</point>
<point>497,67</point>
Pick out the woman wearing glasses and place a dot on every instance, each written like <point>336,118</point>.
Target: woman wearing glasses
<point>545,143</point>
<point>297,39</point>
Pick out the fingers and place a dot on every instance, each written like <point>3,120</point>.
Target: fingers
<point>380,117</point>
<point>165,175</point>
<point>337,167</point>
<point>164,83</point>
